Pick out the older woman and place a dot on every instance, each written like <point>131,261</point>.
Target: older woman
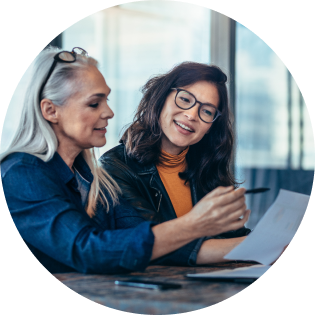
<point>179,146</point>
<point>66,208</point>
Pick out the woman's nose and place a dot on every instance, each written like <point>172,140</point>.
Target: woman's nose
<point>192,113</point>
<point>107,113</point>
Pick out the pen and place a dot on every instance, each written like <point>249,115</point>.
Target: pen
<point>256,190</point>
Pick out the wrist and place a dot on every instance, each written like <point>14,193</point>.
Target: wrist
<point>171,235</point>
<point>214,250</point>
<point>189,225</point>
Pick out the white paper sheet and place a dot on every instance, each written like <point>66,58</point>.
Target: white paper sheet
<point>274,231</point>
<point>252,272</point>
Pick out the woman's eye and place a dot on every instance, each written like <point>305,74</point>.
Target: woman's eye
<point>95,105</point>
<point>186,100</point>
<point>207,112</point>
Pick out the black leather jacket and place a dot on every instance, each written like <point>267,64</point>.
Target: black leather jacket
<point>142,187</point>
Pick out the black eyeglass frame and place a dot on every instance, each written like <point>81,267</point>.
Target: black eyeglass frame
<point>58,59</point>
<point>218,113</point>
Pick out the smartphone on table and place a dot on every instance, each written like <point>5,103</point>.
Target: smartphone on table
<point>153,285</point>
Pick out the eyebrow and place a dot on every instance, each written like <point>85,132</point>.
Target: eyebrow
<point>210,104</point>
<point>103,95</point>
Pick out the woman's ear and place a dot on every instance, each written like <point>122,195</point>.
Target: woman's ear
<point>49,110</point>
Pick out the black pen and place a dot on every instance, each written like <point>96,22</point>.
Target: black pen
<point>256,190</point>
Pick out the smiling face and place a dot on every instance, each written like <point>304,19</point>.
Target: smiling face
<point>182,128</point>
<point>81,122</point>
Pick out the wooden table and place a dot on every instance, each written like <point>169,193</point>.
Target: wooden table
<point>194,294</point>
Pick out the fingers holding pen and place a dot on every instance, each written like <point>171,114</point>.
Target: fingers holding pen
<point>220,191</point>
<point>233,196</point>
<point>245,217</point>
<point>220,211</point>
<point>235,218</point>
<point>226,195</point>
<point>240,222</point>
<point>223,206</point>
<point>236,214</point>
<point>222,201</point>
<point>234,206</point>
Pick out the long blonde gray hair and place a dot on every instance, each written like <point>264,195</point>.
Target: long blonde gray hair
<point>35,134</point>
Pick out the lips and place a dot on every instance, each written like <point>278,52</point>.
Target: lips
<point>184,126</point>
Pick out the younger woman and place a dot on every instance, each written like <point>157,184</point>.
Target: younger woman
<point>179,146</point>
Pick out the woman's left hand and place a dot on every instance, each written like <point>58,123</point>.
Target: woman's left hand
<point>280,254</point>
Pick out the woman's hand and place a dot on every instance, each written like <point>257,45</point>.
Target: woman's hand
<point>218,212</point>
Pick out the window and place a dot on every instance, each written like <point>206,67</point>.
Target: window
<point>268,110</point>
<point>12,118</point>
<point>131,42</point>
<point>134,41</point>
<point>275,146</point>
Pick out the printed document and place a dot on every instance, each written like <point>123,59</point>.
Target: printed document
<point>267,241</point>
<point>274,231</point>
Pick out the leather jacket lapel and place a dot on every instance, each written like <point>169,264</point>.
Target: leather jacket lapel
<point>161,198</point>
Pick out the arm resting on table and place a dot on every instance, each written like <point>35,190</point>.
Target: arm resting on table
<point>170,235</point>
<point>213,250</point>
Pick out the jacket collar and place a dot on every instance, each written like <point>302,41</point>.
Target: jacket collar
<point>142,169</point>
<point>64,172</point>
<point>139,168</point>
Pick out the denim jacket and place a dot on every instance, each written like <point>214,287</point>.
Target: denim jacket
<point>46,206</point>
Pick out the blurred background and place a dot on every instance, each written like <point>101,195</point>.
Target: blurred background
<point>134,41</point>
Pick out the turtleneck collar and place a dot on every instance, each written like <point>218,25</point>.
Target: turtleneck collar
<point>171,163</point>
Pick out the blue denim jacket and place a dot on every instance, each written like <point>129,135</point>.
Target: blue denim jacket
<point>46,206</point>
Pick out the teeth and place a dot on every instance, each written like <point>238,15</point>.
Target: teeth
<point>183,126</point>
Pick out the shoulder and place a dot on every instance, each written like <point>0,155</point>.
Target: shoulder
<point>27,177</point>
<point>116,163</point>
<point>117,158</point>
<point>117,153</point>
<point>23,169</point>
<point>20,160</point>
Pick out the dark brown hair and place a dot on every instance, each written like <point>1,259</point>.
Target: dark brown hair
<point>208,161</point>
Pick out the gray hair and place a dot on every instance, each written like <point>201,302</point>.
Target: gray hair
<point>35,135</point>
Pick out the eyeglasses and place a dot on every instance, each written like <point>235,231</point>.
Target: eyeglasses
<point>186,100</point>
<point>63,56</point>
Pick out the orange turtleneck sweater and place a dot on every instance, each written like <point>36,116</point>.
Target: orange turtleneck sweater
<point>168,167</point>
